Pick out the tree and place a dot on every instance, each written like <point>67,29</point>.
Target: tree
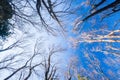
<point>112,8</point>
<point>104,37</point>
<point>42,68</point>
<point>97,34</point>
<point>24,13</point>
<point>21,15</point>
<point>100,9</point>
<point>89,71</point>
<point>6,13</point>
<point>6,10</point>
<point>17,12</point>
<point>102,31</point>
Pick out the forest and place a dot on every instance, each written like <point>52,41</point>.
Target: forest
<point>59,40</point>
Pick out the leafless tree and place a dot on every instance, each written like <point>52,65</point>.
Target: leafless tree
<point>91,30</point>
<point>100,36</point>
<point>72,70</point>
<point>96,9</point>
<point>26,12</point>
<point>36,12</point>
<point>93,69</point>
<point>39,65</point>
<point>112,8</point>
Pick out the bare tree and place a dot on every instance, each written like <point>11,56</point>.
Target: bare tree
<point>91,29</point>
<point>38,65</point>
<point>89,71</point>
<point>96,10</point>
<point>112,8</point>
<point>72,70</point>
<point>17,13</point>
<point>100,36</point>
<point>24,14</point>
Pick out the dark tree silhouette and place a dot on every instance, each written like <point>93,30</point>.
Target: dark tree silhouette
<point>14,11</point>
<point>6,13</point>
<point>4,29</point>
<point>114,7</point>
<point>40,64</point>
<point>104,8</point>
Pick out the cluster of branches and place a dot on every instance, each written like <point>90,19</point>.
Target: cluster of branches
<point>42,68</point>
<point>107,35</point>
<point>100,36</point>
<point>18,13</point>
<point>111,8</point>
<point>22,15</point>
<point>38,65</point>
<point>103,7</point>
<point>91,69</point>
<point>38,13</point>
<point>105,40</point>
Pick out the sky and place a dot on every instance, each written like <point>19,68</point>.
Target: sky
<point>97,51</point>
<point>91,59</point>
<point>27,35</point>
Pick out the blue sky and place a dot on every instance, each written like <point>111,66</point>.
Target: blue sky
<point>89,55</point>
<point>87,48</point>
